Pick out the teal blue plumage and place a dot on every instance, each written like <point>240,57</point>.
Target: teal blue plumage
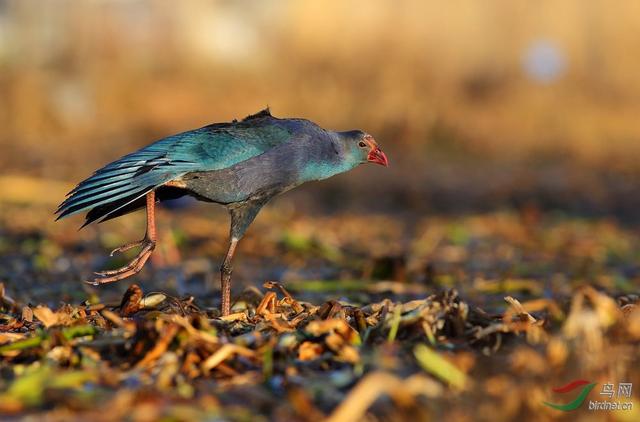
<point>210,148</point>
<point>238,164</point>
<point>241,165</point>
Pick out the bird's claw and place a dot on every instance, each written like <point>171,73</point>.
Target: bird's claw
<point>126,247</point>
<point>120,270</point>
<point>128,270</point>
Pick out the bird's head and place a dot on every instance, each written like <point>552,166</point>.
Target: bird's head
<point>362,147</point>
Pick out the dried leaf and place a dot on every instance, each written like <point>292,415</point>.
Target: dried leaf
<point>131,301</point>
<point>309,351</point>
<point>161,346</point>
<point>225,352</point>
<point>46,316</point>
<point>27,314</point>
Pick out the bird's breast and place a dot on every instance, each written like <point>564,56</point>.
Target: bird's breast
<point>230,186</point>
<point>271,173</point>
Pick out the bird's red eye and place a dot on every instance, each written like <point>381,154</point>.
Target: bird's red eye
<point>362,144</point>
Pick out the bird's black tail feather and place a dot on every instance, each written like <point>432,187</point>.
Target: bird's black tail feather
<point>114,209</point>
<point>119,187</point>
<point>126,205</point>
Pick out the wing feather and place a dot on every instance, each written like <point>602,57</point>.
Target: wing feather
<point>120,183</point>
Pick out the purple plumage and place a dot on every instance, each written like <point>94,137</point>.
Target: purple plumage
<point>241,164</point>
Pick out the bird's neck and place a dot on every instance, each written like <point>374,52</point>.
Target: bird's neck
<point>325,157</point>
<point>324,170</point>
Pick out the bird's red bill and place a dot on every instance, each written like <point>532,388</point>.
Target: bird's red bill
<point>377,156</point>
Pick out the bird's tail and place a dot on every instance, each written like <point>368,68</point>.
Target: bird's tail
<point>118,187</point>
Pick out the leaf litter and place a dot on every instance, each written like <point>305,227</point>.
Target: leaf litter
<point>491,347</point>
<point>355,355</point>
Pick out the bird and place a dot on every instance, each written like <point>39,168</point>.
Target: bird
<point>241,165</point>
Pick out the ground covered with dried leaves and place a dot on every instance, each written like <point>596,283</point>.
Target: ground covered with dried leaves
<point>372,318</point>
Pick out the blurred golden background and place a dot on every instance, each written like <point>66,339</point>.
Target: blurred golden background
<point>479,104</point>
<point>498,257</point>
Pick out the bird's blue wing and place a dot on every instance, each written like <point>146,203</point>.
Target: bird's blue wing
<point>209,148</point>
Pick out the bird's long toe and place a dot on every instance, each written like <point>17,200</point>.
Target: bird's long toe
<point>131,265</point>
<point>128,246</point>
<point>128,270</point>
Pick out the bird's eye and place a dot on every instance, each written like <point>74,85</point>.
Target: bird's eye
<point>362,144</point>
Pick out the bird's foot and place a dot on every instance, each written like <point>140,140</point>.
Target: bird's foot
<point>127,246</point>
<point>131,268</point>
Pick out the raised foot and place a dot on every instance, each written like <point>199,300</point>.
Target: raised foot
<point>131,268</point>
<point>127,246</point>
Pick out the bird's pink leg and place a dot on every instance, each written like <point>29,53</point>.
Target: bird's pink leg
<point>148,245</point>
<point>225,277</point>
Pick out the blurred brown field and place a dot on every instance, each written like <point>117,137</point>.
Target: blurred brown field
<point>445,287</point>
<point>491,101</point>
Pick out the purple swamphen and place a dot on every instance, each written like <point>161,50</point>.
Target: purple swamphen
<point>242,165</point>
